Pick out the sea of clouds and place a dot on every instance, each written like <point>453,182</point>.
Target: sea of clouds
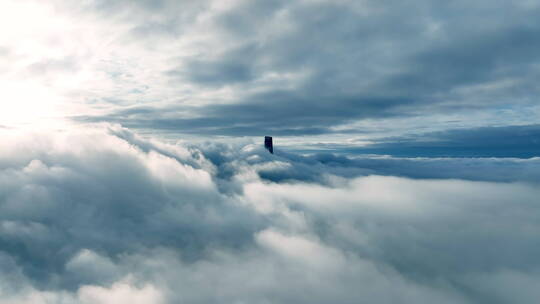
<point>102,215</point>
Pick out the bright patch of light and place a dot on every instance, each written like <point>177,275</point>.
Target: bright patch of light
<point>30,40</point>
<point>26,103</point>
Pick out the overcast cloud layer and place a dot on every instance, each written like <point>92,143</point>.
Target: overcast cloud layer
<point>406,165</point>
<point>333,70</point>
<point>104,216</point>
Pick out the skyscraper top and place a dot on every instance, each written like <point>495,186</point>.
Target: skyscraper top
<point>268,144</point>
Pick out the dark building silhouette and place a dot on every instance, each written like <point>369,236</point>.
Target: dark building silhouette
<point>268,144</point>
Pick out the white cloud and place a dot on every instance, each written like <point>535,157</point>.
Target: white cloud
<point>120,292</point>
<point>102,215</point>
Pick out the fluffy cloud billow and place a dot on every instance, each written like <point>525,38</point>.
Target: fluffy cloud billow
<point>406,166</point>
<point>102,215</point>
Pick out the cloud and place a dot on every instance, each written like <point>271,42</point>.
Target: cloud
<point>120,293</point>
<point>103,215</point>
<point>244,68</point>
<point>117,194</point>
<point>288,165</point>
<point>99,214</point>
<point>522,141</point>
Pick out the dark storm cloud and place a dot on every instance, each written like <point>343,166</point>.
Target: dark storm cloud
<point>474,59</point>
<point>338,47</point>
<point>279,113</point>
<point>508,141</point>
<point>347,61</point>
<point>218,73</point>
<point>235,66</point>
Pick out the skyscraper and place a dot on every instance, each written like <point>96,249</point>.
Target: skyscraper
<point>268,144</point>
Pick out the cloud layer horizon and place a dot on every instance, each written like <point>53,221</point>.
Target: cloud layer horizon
<point>103,215</point>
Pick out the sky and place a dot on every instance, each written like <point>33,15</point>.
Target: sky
<point>406,164</point>
<point>339,73</point>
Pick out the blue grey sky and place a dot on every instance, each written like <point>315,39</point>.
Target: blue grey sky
<point>341,73</point>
